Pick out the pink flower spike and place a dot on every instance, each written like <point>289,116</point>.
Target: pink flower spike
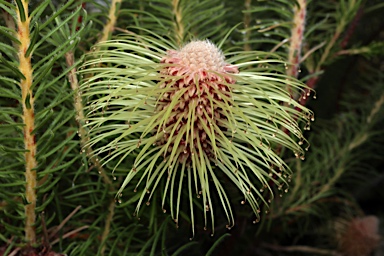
<point>205,76</point>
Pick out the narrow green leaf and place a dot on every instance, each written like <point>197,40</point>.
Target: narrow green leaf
<point>55,29</point>
<point>10,245</point>
<point>48,199</point>
<point>8,50</point>
<point>33,40</point>
<point>36,13</point>
<point>12,184</point>
<point>27,101</point>
<point>7,32</point>
<point>13,150</point>
<point>8,93</point>
<point>11,67</point>
<point>8,7</point>
<point>157,236</point>
<point>21,10</point>
<point>42,72</point>
<point>55,14</point>
<point>184,247</point>
<point>218,241</point>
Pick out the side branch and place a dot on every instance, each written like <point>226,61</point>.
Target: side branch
<point>326,55</point>
<point>80,118</point>
<point>294,54</point>
<point>83,133</point>
<point>179,27</point>
<point>109,26</point>
<point>247,22</point>
<point>25,68</point>
<point>84,138</point>
<point>107,227</point>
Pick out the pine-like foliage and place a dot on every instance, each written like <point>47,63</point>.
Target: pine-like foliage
<point>191,117</point>
<point>120,117</point>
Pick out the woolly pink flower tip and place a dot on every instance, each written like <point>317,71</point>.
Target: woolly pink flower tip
<point>361,237</point>
<point>199,69</point>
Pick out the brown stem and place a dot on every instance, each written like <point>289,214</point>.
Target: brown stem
<point>108,221</point>
<point>15,251</point>
<point>56,229</point>
<point>296,42</point>
<point>325,56</point>
<point>80,18</point>
<point>297,33</point>
<point>107,31</point>
<point>300,248</point>
<point>83,133</point>
<point>80,118</point>
<point>84,138</point>
<point>9,21</point>
<point>25,68</point>
<point>351,28</point>
<point>69,234</point>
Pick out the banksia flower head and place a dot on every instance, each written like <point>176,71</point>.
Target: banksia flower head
<point>186,120</point>
<point>358,236</point>
<point>201,77</point>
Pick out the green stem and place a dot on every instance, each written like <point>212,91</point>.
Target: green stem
<point>110,25</point>
<point>179,27</point>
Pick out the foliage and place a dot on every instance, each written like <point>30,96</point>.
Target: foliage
<point>81,83</point>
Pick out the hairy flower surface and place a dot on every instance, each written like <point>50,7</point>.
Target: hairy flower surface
<point>186,119</point>
<point>201,84</point>
<point>359,236</point>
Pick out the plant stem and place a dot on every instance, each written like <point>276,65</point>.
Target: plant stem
<point>109,26</point>
<point>294,54</point>
<point>107,31</point>
<point>378,105</point>
<point>247,22</point>
<point>108,221</point>
<point>69,234</point>
<point>84,138</point>
<point>83,133</point>
<point>29,122</point>
<point>80,118</point>
<point>299,248</point>
<point>179,27</point>
<point>342,23</point>
<point>298,180</point>
<point>325,56</point>
<point>9,20</point>
<point>351,28</point>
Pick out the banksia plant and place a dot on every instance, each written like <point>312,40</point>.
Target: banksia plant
<point>190,118</point>
<point>120,118</point>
